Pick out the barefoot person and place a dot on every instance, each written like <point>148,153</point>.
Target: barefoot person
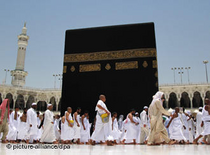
<point>176,127</point>
<point>206,122</point>
<point>4,116</point>
<point>32,124</point>
<point>48,135</point>
<point>56,127</point>
<point>85,128</point>
<point>23,126</point>
<point>144,127</point>
<point>157,128</point>
<point>115,133</point>
<point>67,131</point>
<point>77,124</point>
<point>102,129</point>
<point>13,125</point>
<point>199,127</point>
<point>131,133</point>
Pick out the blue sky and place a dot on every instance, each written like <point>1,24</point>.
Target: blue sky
<point>182,33</point>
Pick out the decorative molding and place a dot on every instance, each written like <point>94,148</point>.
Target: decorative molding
<point>110,55</point>
<point>156,84</point>
<point>156,74</point>
<point>108,67</point>
<point>145,64</point>
<point>64,69</point>
<point>126,65</point>
<point>72,69</point>
<point>154,63</point>
<point>89,67</point>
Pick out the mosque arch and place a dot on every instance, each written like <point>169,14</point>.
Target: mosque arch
<point>41,106</point>
<point>20,102</point>
<point>53,102</point>
<point>207,95</point>
<point>11,101</point>
<point>197,100</point>
<point>59,105</point>
<point>29,102</point>
<point>172,101</point>
<point>185,100</point>
<point>164,103</point>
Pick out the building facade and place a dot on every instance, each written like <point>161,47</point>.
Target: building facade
<point>23,97</point>
<point>188,96</point>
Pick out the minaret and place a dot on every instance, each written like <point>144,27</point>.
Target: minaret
<point>19,75</point>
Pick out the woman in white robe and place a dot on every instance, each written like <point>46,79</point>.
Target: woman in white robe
<point>158,132</point>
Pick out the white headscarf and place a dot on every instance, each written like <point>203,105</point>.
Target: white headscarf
<point>156,97</point>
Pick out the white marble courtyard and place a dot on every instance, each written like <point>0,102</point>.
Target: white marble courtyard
<point>111,150</point>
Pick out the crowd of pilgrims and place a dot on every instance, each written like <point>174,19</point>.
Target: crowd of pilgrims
<point>30,126</point>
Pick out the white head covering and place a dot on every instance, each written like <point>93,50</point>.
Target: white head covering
<point>188,112</point>
<point>145,107</point>
<point>48,105</point>
<point>34,103</point>
<point>136,113</point>
<point>173,112</point>
<point>200,108</point>
<point>121,118</point>
<point>156,97</point>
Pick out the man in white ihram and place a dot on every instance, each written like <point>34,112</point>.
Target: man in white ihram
<point>199,127</point>
<point>48,135</point>
<point>32,123</point>
<point>144,127</point>
<point>102,130</point>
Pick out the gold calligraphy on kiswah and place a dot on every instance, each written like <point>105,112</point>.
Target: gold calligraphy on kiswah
<point>64,69</point>
<point>110,55</point>
<point>89,67</point>
<point>126,65</point>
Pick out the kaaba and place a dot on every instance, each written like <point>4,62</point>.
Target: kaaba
<point>117,61</point>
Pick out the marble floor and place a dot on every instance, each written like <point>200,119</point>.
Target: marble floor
<point>19,149</point>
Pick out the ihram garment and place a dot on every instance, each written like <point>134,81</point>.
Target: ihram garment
<point>48,134</point>
<point>176,127</point>
<point>102,130</point>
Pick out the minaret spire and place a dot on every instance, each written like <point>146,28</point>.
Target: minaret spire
<point>18,75</point>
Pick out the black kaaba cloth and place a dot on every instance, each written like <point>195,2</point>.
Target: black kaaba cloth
<point>117,61</point>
